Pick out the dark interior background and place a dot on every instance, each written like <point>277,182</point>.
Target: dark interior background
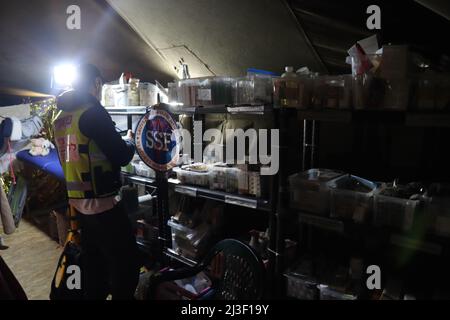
<point>33,37</point>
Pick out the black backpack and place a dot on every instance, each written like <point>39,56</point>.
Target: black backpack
<point>59,290</point>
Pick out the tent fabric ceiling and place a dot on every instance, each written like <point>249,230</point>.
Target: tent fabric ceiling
<point>214,37</point>
<point>221,37</point>
<point>334,26</point>
<point>34,38</point>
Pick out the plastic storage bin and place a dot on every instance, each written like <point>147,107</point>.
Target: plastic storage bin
<point>352,198</point>
<point>301,287</point>
<point>218,178</point>
<point>293,93</point>
<point>397,94</point>
<point>190,243</point>
<point>196,174</point>
<point>141,169</point>
<point>187,91</point>
<point>437,210</point>
<point>327,293</point>
<point>393,211</point>
<point>254,89</point>
<point>368,92</point>
<point>148,94</point>
<point>309,190</point>
<point>337,92</point>
<point>221,90</point>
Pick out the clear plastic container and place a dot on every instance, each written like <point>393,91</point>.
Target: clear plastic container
<point>319,92</point>
<point>443,92</point>
<point>148,94</point>
<point>352,198</point>
<point>327,293</point>
<point>394,212</point>
<point>189,242</point>
<point>397,94</point>
<point>108,99</point>
<point>204,96</point>
<point>221,91</point>
<point>218,178</point>
<point>287,89</point>
<point>187,91</point>
<point>437,210</point>
<point>368,92</point>
<point>141,169</point>
<point>309,190</point>
<point>173,92</point>
<point>192,175</point>
<point>243,182</point>
<point>253,90</point>
<point>254,184</point>
<point>301,287</point>
<point>232,180</point>
<point>337,92</point>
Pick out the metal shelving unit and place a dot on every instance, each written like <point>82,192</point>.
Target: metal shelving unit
<point>406,118</point>
<point>173,255</point>
<point>220,196</point>
<point>265,205</point>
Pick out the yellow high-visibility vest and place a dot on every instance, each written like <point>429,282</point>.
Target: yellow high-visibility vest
<point>87,170</point>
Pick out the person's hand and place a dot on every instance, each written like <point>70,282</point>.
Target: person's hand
<point>130,135</point>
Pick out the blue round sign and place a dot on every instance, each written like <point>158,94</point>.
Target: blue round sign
<point>157,140</point>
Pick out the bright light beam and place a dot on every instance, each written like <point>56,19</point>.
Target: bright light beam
<point>64,75</point>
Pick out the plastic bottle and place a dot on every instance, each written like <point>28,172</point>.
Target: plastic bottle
<point>289,89</point>
<point>289,73</point>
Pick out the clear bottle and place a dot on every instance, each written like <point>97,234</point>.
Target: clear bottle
<point>289,89</point>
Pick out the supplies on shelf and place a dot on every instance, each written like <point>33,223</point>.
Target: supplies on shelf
<point>148,94</point>
<point>396,205</point>
<point>328,293</point>
<point>368,92</point>
<point>196,174</point>
<point>301,287</point>
<point>218,177</point>
<point>134,93</point>
<point>310,191</point>
<point>141,169</point>
<point>189,242</point>
<point>253,89</point>
<point>437,209</point>
<point>431,92</point>
<point>332,92</point>
<point>185,289</point>
<point>203,91</point>
<point>396,94</point>
<point>293,90</point>
<point>352,198</point>
<point>194,228</point>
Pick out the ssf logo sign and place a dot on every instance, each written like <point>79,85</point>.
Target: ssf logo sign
<point>157,138</point>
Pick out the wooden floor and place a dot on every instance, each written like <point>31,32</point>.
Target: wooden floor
<point>32,256</point>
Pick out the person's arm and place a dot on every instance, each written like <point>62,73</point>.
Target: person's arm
<point>97,124</point>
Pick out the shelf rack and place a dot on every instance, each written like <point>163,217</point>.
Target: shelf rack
<point>407,118</point>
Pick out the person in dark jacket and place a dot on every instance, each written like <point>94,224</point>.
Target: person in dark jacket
<point>92,152</point>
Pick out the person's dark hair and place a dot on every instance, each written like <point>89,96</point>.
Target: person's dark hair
<point>87,74</point>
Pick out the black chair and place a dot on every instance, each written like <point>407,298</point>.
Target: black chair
<point>243,275</point>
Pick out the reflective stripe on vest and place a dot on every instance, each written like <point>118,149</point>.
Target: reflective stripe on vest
<point>88,172</point>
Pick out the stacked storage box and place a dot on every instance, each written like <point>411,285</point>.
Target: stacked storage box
<point>310,190</point>
<point>352,198</point>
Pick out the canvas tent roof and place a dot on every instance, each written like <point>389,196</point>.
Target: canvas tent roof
<point>214,37</point>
